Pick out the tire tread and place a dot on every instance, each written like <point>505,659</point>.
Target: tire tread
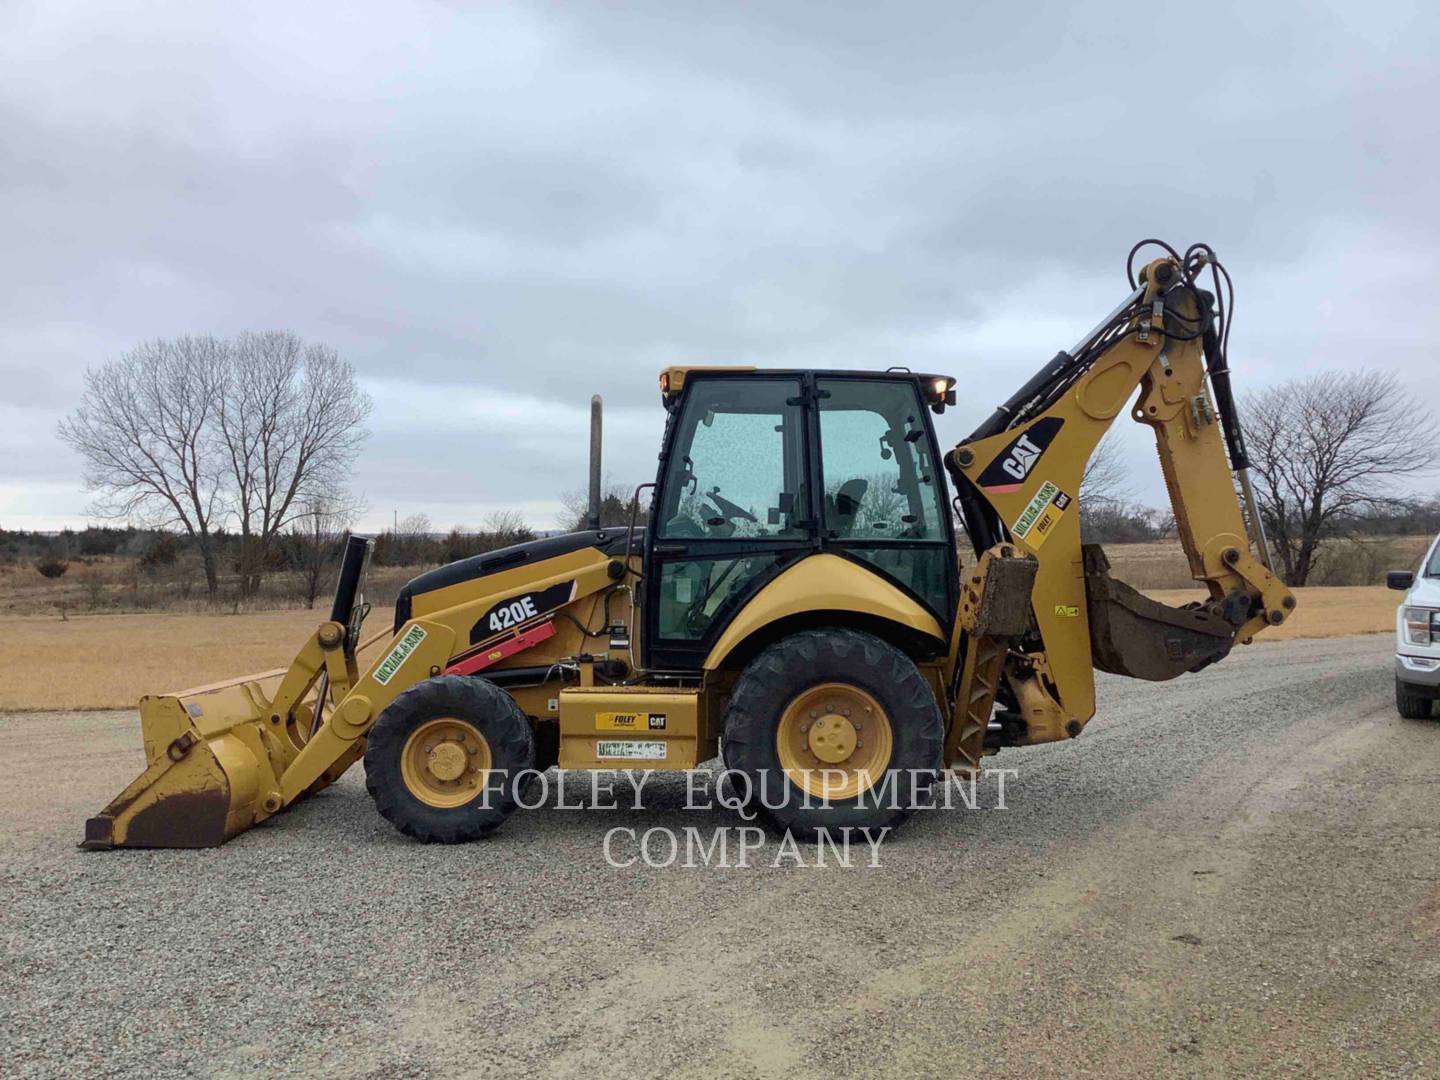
<point>1412,705</point>
<point>781,671</point>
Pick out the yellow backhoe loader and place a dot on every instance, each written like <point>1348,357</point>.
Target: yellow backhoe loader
<point>794,603</point>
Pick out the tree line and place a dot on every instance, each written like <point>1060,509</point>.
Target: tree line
<point>307,552</point>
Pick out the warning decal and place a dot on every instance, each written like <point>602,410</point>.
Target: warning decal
<point>403,648</point>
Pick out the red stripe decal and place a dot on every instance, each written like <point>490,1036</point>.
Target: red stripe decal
<point>479,661</point>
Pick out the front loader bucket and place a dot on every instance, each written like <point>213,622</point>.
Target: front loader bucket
<point>208,771</point>
<point>215,755</point>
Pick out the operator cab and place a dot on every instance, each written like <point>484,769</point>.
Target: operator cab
<point>760,469</point>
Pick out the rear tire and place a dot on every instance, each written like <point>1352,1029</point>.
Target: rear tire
<point>1411,704</point>
<point>807,704</point>
<point>445,760</point>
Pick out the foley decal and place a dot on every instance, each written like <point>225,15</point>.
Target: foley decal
<point>1038,520</point>
<point>628,750</point>
<point>629,721</point>
<point>403,648</point>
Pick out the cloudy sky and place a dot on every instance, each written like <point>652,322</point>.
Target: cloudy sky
<point>495,210</point>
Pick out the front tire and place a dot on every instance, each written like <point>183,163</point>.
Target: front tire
<point>445,760</point>
<point>1410,703</point>
<point>833,729</point>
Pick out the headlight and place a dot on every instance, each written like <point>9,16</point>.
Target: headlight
<point>1422,625</point>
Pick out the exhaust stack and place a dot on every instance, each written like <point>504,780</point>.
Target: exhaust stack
<point>596,408</point>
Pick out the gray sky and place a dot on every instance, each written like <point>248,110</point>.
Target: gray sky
<point>494,211</point>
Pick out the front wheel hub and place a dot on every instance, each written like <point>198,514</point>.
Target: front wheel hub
<point>833,738</point>
<point>448,761</point>
<point>444,762</point>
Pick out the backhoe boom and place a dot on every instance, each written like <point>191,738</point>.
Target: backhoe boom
<point>1018,480</point>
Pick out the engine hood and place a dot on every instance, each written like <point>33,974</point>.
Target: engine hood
<point>610,541</point>
<point>1425,592</point>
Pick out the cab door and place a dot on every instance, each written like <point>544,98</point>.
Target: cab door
<point>734,506</point>
<point>884,498</point>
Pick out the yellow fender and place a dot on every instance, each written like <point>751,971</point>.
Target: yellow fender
<point>824,583</point>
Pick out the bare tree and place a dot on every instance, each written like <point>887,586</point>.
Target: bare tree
<point>144,427</point>
<point>291,421</point>
<point>507,527</point>
<point>1326,448</point>
<point>1105,476</point>
<point>408,544</point>
<point>1164,524</point>
<point>316,537</point>
<point>1106,511</point>
<point>614,507</point>
<point>191,431</point>
<point>415,527</point>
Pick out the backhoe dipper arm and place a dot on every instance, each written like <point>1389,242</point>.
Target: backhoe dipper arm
<point>1018,479</point>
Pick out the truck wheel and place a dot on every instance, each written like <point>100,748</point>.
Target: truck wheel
<point>444,762</point>
<point>833,729</point>
<point>1411,704</point>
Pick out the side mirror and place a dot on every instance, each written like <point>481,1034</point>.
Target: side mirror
<point>1400,579</point>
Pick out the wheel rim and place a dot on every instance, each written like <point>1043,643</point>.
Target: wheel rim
<point>444,762</point>
<point>834,741</point>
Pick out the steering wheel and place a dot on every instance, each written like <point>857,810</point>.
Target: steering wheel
<point>728,510</point>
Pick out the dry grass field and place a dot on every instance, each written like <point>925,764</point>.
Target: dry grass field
<point>1162,564</point>
<point>109,661</point>
<point>1322,612</point>
<point>109,584</point>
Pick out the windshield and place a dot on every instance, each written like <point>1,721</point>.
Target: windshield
<point>1432,569</point>
<point>737,469</point>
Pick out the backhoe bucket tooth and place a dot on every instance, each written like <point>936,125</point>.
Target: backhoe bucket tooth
<point>206,775</point>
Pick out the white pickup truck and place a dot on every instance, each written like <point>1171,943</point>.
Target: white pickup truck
<point>1417,630</point>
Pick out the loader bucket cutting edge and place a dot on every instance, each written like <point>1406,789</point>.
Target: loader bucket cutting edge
<point>202,780</point>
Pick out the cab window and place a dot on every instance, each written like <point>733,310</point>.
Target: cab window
<point>880,482</point>
<point>883,501</point>
<point>737,465</point>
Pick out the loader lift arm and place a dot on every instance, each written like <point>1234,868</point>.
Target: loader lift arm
<point>1017,483</point>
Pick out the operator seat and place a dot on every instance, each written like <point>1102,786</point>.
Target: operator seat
<point>845,504</point>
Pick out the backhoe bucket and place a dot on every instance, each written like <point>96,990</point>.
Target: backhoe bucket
<point>208,770</point>
<point>1133,635</point>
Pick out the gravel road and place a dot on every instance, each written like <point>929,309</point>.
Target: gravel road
<point>1236,872</point>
